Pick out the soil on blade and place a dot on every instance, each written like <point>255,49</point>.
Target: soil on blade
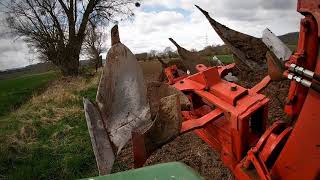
<point>189,148</point>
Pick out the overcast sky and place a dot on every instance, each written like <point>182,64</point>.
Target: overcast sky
<point>157,20</point>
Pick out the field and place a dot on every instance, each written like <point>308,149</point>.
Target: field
<point>13,92</point>
<point>47,136</point>
<point>226,59</point>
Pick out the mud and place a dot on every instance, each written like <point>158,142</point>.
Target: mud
<point>275,91</point>
<point>189,148</point>
<point>249,50</point>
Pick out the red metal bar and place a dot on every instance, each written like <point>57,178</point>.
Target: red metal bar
<point>200,122</point>
<point>226,126</point>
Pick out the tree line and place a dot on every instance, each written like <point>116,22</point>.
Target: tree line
<point>60,30</point>
<point>169,53</point>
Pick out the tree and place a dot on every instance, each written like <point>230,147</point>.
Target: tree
<point>168,52</point>
<point>207,51</point>
<point>56,29</point>
<point>152,54</point>
<point>193,50</point>
<point>94,44</point>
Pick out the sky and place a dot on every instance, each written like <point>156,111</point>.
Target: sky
<point>157,20</point>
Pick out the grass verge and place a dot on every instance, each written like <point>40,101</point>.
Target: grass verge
<point>225,59</point>
<point>15,91</point>
<point>47,137</point>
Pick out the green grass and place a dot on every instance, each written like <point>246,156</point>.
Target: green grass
<point>89,93</point>
<point>13,92</point>
<point>225,59</point>
<point>47,136</point>
<point>61,151</point>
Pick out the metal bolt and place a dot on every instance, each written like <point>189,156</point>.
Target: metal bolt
<point>233,88</point>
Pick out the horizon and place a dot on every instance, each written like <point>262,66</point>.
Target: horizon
<point>157,20</point>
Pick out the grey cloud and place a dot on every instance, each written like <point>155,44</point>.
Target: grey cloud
<point>250,10</point>
<point>4,49</point>
<point>278,4</point>
<point>149,29</point>
<point>7,45</point>
<point>252,5</point>
<point>14,60</point>
<point>248,16</point>
<point>240,4</point>
<point>13,54</point>
<point>242,15</point>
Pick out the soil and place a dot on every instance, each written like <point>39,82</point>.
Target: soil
<point>189,148</point>
<point>275,91</point>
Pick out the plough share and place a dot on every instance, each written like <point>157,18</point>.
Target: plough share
<point>231,119</point>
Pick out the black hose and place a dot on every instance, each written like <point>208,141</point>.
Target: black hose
<point>315,86</point>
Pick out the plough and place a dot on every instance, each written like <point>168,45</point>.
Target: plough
<point>231,119</point>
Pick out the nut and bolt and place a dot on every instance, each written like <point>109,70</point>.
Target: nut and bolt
<point>233,88</point>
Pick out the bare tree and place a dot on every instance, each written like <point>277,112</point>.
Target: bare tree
<point>56,29</point>
<point>152,54</point>
<point>94,44</point>
<point>169,52</point>
<point>193,50</point>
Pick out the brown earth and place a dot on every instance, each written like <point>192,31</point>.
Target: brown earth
<point>275,91</point>
<point>189,148</point>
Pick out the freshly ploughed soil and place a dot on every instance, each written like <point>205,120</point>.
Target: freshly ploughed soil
<point>275,91</point>
<point>189,148</point>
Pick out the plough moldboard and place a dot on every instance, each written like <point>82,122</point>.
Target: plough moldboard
<point>197,97</point>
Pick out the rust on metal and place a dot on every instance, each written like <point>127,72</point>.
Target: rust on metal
<point>275,68</point>
<point>220,112</point>
<point>121,93</point>
<point>166,103</point>
<point>166,127</point>
<point>121,104</point>
<point>125,110</point>
<point>229,118</point>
